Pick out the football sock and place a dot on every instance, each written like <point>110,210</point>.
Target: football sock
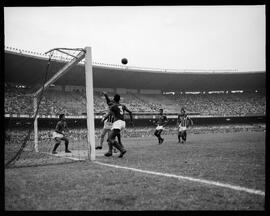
<point>66,146</point>
<point>110,147</point>
<point>101,141</point>
<point>56,146</point>
<point>119,139</point>
<point>118,146</point>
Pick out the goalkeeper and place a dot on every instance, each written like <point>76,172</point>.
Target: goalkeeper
<point>59,135</point>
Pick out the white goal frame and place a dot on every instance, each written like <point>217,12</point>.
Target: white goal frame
<point>87,54</point>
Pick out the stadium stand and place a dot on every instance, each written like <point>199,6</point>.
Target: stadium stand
<point>236,104</point>
<point>17,102</point>
<point>73,103</point>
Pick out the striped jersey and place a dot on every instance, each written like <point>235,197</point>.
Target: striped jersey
<point>110,119</point>
<point>184,120</point>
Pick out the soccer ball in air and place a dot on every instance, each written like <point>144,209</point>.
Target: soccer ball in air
<point>124,61</point>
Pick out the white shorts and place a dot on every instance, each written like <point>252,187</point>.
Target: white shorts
<point>159,127</point>
<point>182,128</point>
<point>57,135</point>
<point>119,124</point>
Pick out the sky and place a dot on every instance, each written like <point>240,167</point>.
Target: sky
<point>169,37</point>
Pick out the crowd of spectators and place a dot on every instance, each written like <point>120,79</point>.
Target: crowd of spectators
<point>17,101</point>
<point>73,103</point>
<point>232,104</point>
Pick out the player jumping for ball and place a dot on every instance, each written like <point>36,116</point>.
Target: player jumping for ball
<point>110,119</point>
<point>106,130</point>
<point>59,135</point>
<point>119,124</point>
<point>183,122</point>
<point>161,123</point>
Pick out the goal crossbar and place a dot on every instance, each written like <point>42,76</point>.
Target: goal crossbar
<point>61,72</point>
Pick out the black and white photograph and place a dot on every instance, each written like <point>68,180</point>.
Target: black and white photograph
<point>135,108</point>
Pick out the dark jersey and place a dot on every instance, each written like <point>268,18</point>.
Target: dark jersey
<point>184,120</point>
<point>162,120</point>
<point>118,111</point>
<point>61,126</point>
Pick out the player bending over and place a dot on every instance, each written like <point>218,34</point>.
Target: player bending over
<point>119,124</point>
<point>183,122</point>
<point>161,123</point>
<point>59,135</point>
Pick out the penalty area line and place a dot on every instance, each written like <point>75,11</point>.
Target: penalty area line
<point>180,177</point>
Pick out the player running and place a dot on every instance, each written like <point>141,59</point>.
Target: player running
<point>58,134</point>
<point>183,122</point>
<point>161,123</point>
<point>119,124</point>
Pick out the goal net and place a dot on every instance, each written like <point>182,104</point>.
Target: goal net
<point>32,111</point>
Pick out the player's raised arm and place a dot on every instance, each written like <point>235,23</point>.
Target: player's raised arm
<point>108,100</point>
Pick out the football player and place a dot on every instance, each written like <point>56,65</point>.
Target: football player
<point>118,111</point>
<point>59,135</point>
<point>106,130</point>
<point>161,123</point>
<point>110,103</point>
<point>183,122</point>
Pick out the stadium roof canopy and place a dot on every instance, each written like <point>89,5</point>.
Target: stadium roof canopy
<point>28,68</point>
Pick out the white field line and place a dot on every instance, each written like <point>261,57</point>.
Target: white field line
<point>218,184</point>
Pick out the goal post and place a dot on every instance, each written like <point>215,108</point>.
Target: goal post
<point>87,55</point>
<point>35,124</point>
<point>90,104</point>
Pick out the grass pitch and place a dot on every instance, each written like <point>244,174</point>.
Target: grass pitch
<point>232,158</point>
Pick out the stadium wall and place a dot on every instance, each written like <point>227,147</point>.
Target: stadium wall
<point>25,122</point>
